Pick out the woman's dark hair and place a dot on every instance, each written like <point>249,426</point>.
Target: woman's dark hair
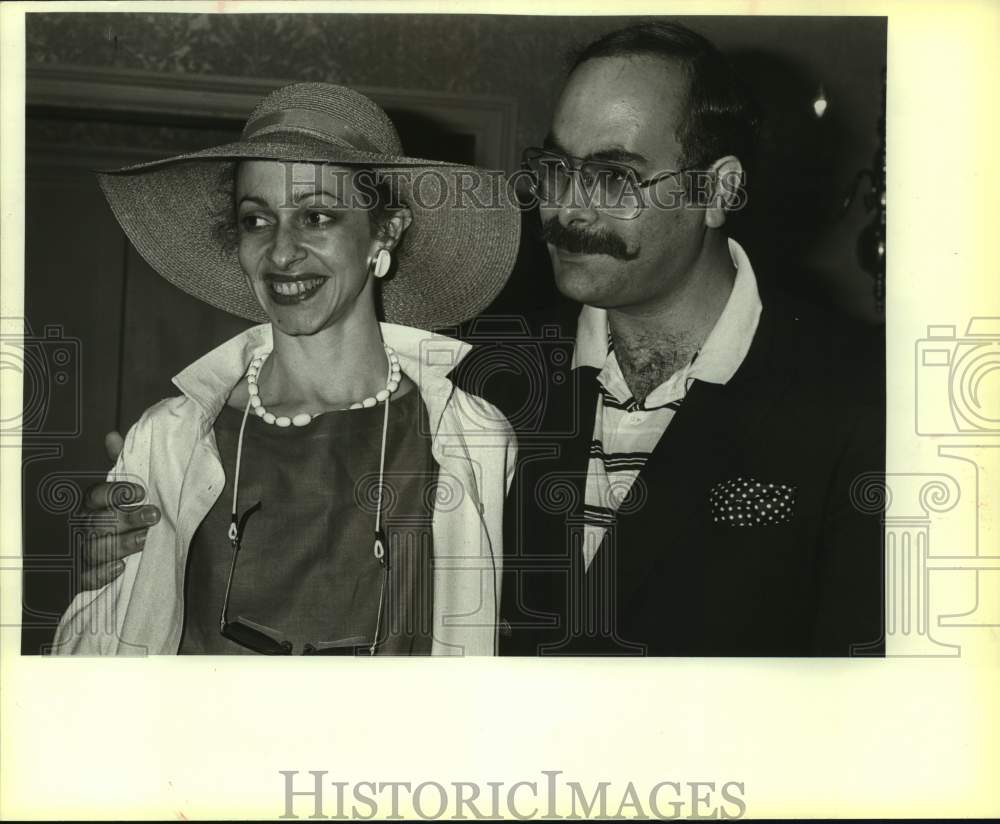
<point>381,204</point>
<point>225,230</point>
<point>720,116</point>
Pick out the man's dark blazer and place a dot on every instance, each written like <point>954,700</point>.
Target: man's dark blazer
<point>804,414</point>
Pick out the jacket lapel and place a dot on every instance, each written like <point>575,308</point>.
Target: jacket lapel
<point>665,502</point>
<point>704,444</point>
<point>576,454</point>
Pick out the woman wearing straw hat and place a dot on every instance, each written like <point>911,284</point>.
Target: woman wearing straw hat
<point>324,487</point>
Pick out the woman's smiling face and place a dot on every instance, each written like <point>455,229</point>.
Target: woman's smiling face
<point>304,243</point>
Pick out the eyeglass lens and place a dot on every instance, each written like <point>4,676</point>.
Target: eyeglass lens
<point>266,641</point>
<point>605,186</point>
<point>256,639</point>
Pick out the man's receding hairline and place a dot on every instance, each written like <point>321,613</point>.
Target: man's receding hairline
<point>669,61</point>
<point>682,63</point>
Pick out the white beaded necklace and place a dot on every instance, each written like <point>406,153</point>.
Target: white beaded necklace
<point>304,418</point>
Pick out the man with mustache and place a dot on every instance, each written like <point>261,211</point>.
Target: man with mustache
<point>699,482</point>
<point>708,498</point>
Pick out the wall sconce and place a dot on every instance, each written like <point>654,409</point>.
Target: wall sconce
<point>871,242</point>
<point>820,103</point>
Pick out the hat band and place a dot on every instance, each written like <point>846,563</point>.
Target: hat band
<point>317,124</point>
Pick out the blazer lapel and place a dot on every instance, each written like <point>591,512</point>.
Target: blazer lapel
<point>664,503</point>
<point>704,443</point>
<point>576,453</point>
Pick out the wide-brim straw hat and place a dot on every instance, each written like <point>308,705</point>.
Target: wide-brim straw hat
<point>453,260</point>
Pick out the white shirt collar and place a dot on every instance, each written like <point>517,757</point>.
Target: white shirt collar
<point>724,349</point>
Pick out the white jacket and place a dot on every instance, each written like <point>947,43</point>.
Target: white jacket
<point>172,452</point>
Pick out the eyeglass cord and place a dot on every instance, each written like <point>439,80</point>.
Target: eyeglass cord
<point>234,532</point>
<point>379,548</point>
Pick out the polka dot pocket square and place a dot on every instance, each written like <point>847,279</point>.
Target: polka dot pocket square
<point>745,502</point>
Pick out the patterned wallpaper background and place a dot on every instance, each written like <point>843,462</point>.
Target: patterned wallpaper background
<point>512,56</point>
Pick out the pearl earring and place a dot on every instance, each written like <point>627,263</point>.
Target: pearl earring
<point>381,264</point>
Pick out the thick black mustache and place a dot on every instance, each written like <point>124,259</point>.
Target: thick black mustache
<point>587,243</point>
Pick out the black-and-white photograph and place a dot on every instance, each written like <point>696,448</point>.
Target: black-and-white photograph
<point>454,335</point>
<point>594,409</point>
<point>562,338</point>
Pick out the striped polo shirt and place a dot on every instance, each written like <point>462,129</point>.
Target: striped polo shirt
<point>626,430</point>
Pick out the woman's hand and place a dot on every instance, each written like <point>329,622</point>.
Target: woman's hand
<point>116,531</point>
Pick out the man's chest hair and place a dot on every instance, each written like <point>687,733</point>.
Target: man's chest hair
<point>646,361</point>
